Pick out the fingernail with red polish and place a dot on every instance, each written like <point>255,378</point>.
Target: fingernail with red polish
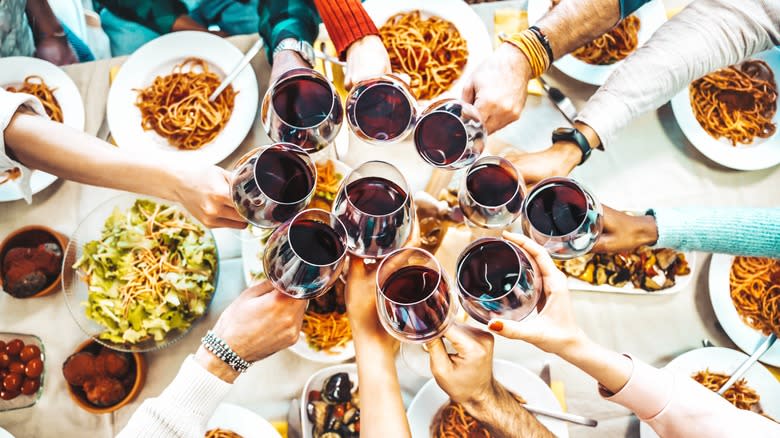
<point>496,326</point>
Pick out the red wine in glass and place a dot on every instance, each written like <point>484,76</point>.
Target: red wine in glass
<point>381,110</point>
<point>497,279</point>
<point>449,134</point>
<point>302,102</point>
<point>492,193</point>
<point>316,242</point>
<point>561,215</point>
<point>376,195</point>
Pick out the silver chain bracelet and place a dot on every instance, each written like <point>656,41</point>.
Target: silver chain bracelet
<point>222,350</point>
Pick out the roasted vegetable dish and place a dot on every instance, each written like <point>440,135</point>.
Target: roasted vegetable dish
<point>335,411</point>
<point>647,268</point>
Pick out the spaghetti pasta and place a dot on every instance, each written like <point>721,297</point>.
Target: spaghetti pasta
<point>613,46</point>
<point>177,106</point>
<point>739,395</point>
<point>222,433</point>
<point>755,291</point>
<point>452,421</point>
<point>431,51</point>
<point>36,86</point>
<point>10,175</point>
<point>327,331</point>
<point>736,102</point>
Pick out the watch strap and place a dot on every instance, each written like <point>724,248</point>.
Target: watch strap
<point>575,136</point>
<point>303,48</point>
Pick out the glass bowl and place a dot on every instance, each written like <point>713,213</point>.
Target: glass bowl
<point>75,288</point>
<point>24,401</point>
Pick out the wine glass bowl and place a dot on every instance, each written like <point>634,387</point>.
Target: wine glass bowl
<point>305,255</point>
<point>381,110</point>
<point>413,296</point>
<point>491,195</point>
<point>449,134</point>
<point>271,184</point>
<point>376,208</point>
<point>563,216</point>
<point>303,108</point>
<point>497,279</point>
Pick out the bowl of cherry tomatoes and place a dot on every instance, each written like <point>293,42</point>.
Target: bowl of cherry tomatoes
<point>21,370</point>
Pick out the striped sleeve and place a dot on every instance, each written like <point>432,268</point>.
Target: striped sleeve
<point>346,20</point>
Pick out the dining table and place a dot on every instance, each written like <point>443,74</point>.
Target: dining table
<point>649,164</point>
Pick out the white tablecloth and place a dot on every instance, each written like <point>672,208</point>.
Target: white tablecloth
<point>650,164</point>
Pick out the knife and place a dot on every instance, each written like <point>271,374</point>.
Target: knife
<point>563,103</point>
<point>765,345</point>
<point>294,420</point>
<point>571,418</point>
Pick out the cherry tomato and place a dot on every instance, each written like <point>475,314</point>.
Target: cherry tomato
<point>5,360</point>
<point>8,395</point>
<point>14,347</point>
<point>29,353</point>
<point>338,411</point>
<point>16,367</point>
<point>30,386</point>
<point>34,368</point>
<point>12,382</point>
<point>3,373</point>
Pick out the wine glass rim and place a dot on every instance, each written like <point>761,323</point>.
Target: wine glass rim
<point>465,131</point>
<point>462,258</point>
<point>297,73</point>
<point>439,273</point>
<point>297,149</point>
<point>518,186</point>
<point>331,216</point>
<point>542,185</point>
<point>385,80</point>
<point>407,196</point>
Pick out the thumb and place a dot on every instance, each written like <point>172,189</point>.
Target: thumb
<point>469,91</point>
<point>258,290</point>
<point>439,358</point>
<point>509,329</point>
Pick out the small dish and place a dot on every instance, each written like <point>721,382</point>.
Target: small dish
<point>24,401</point>
<point>33,235</point>
<point>315,383</point>
<point>137,368</point>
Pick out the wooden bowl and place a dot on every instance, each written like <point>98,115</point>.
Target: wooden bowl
<point>138,366</point>
<point>34,235</point>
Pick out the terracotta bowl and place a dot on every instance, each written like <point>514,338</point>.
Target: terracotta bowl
<point>138,366</point>
<point>34,235</point>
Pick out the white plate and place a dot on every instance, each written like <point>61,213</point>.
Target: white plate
<point>315,383</point>
<point>652,15</point>
<point>158,57</point>
<point>458,12</point>
<point>726,361</point>
<point>241,421</point>
<point>514,377</point>
<point>745,337</point>
<point>13,70</point>
<point>682,281</point>
<point>5,434</point>
<point>761,154</point>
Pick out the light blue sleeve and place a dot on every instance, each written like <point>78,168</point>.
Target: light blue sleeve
<point>738,231</point>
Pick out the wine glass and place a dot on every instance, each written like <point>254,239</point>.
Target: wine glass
<point>497,279</point>
<point>449,134</point>
<point>303,108</point>
<point>491,195</point>
<point>563,216</point>
<point>381,110</point>
<point>375,206</point>
<point>271,184</point>
<point>305,256</point>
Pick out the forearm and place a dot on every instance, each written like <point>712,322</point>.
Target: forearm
<point>504,415</point>
<point>739,231</point>
<point>611,369</point>
<point>60,150</point>
<point>573,23</point>
<point>42,19</point>
<point>716,33</point>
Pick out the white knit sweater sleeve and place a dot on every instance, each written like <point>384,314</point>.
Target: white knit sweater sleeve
<point>184,407</point>
<point>9,104</point>
<point>705,36</point>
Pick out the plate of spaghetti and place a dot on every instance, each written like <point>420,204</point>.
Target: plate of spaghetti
<point>730,115</point>
<point>232,421</point>
<point>436,43</point>
<point>60,99</point>
<point>159,100</point>
<point>745,294</point>
<point>595,61</point>
<point>758,391</point>
<point>432,413</point>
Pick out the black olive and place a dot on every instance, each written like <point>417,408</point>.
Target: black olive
<point>337,389</point>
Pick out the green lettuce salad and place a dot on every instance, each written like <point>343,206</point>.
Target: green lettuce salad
<point>151,272</point>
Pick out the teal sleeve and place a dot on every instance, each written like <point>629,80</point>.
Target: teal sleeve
<point>157,15</point>
<point>628,7</point>
<point>739,231</point>
<point>281,19</point>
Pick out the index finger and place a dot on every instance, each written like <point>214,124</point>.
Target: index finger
<point>461,338</point>
<point>258,289</point>
<point>540,255</point>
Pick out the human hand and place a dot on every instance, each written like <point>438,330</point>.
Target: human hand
<point>554,330</point>
<point>536,166</point>
<point>361,305</point>
<point>285,61</point>
<point>205,192</point>
<point>57,50</point>
<point>499,86</point>
<point>366,58</point>
<point>260,322</point>
<point>624,232</point>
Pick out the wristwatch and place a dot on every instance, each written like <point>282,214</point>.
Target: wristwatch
<point>573,135</point>
<point>303,48</point>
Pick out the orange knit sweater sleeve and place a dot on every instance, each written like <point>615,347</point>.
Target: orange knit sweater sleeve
<point>346,21</point>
